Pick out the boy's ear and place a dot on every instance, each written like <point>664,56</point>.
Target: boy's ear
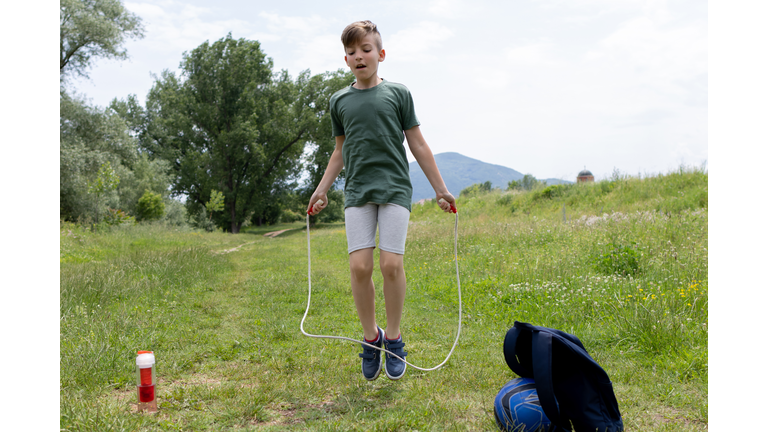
<point>382,55</point>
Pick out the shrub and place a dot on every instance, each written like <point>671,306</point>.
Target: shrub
<point>528,182</point>
<point>504,200</point>
<point>618,259</point>
<point>150,206</point>
<point>117,217</point>
<point>288,216</point>
<point>550,192</point>
<point>175,213</point>
<point>476,189</point>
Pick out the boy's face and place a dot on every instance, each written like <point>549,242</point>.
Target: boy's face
<point>363,58</point>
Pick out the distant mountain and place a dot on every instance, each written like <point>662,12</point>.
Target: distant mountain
<point>459,171</point>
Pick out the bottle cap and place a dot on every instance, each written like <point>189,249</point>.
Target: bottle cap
<point>145,359</point>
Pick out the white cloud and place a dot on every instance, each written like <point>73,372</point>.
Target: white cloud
<point>653,55</point>
<point>444,8</point>
<point>306,43</point>
<point>416,43</point>
<point>293,27</point>
<point>530,55</point>
<point>173,26</point>
<point>319,54</point>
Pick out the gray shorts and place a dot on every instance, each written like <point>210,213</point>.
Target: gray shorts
<point>361,222</point>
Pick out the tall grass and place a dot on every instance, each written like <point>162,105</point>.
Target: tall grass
<point>630,281</point>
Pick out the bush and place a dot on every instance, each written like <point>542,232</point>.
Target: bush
<point>550,192</point>
<point>117,217</point>
<point>288,216</point>
<point>175,213</point>
<point>618,259</point>
<point>150,206</point>
<point>476,189</point>
<point>528,182</point>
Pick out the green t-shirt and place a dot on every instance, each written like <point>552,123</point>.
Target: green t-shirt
<point>372,121</point>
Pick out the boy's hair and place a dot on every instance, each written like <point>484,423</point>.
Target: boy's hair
<point>359,29</point>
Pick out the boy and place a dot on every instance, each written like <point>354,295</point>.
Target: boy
<point>369,119</point>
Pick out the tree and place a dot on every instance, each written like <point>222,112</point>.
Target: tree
<point>528,182</point>
<point>476,189</point>
<point>228,123</point>
<point>216,203</point>
<point>142,175</point>
<point>319,91</point>
<point>150,206</point>
<point>88,138</point>
<point>105,182</point>
<point>91,29</point>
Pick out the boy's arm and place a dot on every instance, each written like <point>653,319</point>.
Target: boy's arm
<point>335,165</point>
<point>426,160</point>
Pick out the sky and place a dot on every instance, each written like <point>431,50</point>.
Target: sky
<point>546,87</point>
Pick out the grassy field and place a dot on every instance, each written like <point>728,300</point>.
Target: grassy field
<point>621,263</point>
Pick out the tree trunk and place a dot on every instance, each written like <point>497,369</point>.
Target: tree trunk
<point>234,226</point>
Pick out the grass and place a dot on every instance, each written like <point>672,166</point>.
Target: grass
<point>224,321</point>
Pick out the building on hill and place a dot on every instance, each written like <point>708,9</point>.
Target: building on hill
<point>585,176</point>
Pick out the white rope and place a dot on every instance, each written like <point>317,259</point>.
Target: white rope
<point>458,283</point>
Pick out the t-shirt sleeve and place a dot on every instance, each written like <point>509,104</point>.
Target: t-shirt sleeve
<point>407,111</point>
<point>336,126</point>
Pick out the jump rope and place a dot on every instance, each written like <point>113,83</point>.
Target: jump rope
<point>458,284</point>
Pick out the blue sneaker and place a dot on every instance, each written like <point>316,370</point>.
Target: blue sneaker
<point>394,367</point>
<point>372,358</point>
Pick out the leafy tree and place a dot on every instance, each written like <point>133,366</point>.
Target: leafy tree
<point>528,182</point>
<point>216,203</point>
<point>320,90</point>
<point>89,137</point>
<point>106,181</point>
<point>150,206</point>
<point>228,123</point>
<point>476,189</point>
<point>91,29</point>
<point>141,175</point>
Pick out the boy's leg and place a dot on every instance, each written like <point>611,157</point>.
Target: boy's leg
<point>361,240</point>
<point>392,271</point>
<point>393,228</point>
<point>361,270</point>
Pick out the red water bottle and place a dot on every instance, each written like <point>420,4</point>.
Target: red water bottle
<point>145,381</point>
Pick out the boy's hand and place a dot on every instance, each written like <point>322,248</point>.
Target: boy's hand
<point>316,204</point>
<point>447,202</point>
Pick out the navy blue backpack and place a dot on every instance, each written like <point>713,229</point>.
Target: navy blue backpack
<point>572,388</point>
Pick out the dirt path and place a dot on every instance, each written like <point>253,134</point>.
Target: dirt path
<point>274,234</point>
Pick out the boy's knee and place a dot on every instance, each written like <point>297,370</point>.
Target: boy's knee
<point>361,268</point>
<point>391,266</point>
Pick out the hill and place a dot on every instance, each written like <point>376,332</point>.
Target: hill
<point>460,171</point>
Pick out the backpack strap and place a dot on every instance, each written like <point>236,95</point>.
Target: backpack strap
<point>542,373</point>
<point>510,352</point>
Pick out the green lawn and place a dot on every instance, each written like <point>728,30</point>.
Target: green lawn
<point>630,282</point>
